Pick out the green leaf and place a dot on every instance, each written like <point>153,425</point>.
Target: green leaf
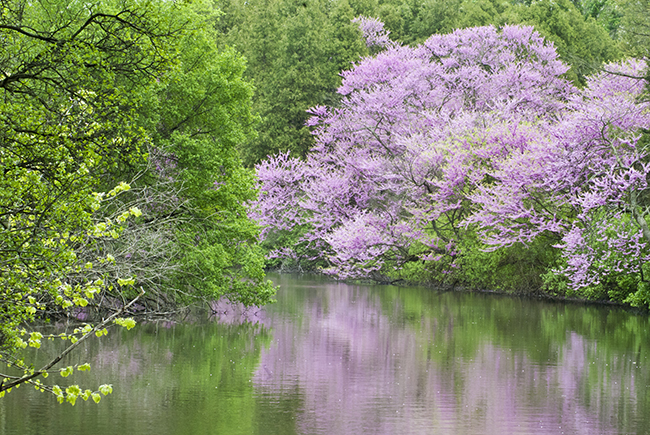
<point>72,393</point>
<point>106,389</point>
<point>81,302</point>
<point>126,282</point>
<point>128,323</point>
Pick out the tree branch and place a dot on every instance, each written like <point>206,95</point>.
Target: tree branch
<point>70,348</point>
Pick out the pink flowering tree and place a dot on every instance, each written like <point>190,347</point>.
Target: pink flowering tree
<point>472,138</point>
<point>397,154</point>
<point>584,180</point>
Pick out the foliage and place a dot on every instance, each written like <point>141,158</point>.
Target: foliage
<point>607,13</point>
<point>635,27</point>
<point>295,51</point>
<point>71,392</point>
<point>582,43</point>
<point>63,286</point>
<point>69,74</point>
<point>88,90</point>
<point>193,187</point>
<point>471,141</point>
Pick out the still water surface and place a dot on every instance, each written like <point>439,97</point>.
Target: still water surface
<point>332,358</point>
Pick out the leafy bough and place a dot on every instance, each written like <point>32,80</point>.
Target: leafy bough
<point>72,392</point>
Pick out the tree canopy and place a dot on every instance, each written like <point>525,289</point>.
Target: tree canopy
<point>295,51</point>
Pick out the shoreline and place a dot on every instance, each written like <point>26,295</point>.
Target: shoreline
<point>530,294</point>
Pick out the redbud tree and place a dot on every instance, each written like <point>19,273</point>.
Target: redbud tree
<point>470,143</point>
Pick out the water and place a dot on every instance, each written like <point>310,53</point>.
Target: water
<point>332,358</point>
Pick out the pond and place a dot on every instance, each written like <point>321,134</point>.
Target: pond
<point>334,358</point>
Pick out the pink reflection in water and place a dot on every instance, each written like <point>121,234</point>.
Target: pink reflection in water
<point>231,313</point>
<point>359,371</point>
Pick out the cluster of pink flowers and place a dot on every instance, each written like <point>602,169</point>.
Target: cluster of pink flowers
<point>474,131</point>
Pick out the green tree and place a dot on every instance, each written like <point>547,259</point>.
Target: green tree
<point>295,52</point>
<point>69,73</point>
<point>635,27</point>
<point>199,115</point>
<point>89,89</point>
<point>606,12</point>
<point>68,77</point>
<point>582,43</point>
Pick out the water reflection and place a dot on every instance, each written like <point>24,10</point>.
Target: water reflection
<point>396,360</point>
<point>331,358</point>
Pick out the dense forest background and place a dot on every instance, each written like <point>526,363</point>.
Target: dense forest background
<point>296,50</point>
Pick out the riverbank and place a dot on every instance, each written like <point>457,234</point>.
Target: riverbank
<point>533,294</point>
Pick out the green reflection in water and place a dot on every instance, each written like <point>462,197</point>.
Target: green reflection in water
<point>168,379</point>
